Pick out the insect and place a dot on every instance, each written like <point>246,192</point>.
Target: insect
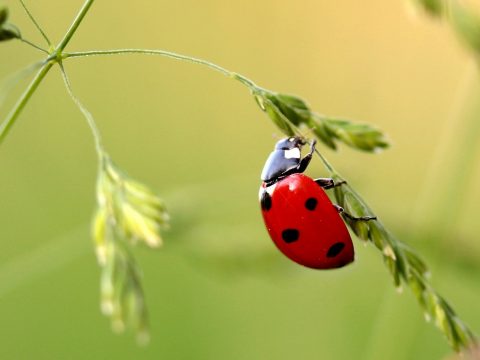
<point>300,218</point>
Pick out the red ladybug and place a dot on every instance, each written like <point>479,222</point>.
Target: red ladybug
<point>300,218</point>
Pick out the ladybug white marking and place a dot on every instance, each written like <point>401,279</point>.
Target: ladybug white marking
<point>268,189</point>
<point>292,153</point>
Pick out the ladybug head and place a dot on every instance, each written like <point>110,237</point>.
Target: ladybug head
<point>290,143</point>
<point>284,160</point>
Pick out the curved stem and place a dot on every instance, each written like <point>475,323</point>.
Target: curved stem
<point>245,81</point>
<point>27,94</point>
<point>88,115</point>
<point>36,23</point>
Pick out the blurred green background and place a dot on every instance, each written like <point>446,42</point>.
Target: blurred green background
<point>219,289</point>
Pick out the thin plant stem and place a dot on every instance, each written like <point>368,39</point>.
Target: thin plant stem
<point>22,101</point>
<point>325,162</point>
<point>73,28</point>
<point>33,45</point>
<point>88,115</point>
<point>247,82</point>
<point>6,125</point>
<point>37,25</point>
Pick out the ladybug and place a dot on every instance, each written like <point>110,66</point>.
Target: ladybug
<point>300,218</point>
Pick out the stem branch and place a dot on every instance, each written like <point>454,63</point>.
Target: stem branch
<point>88,115</point>
<point>36,23</point>
<point>17,109</point>
<point>33,45</point>
<point>245,81</point>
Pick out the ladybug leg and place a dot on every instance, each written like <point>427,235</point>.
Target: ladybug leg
<point>351,217</point>
<point>302,166</point>
<point>328,183</point>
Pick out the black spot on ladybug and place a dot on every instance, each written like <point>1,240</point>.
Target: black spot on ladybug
<point>266,201</point>
<point>335,249</point>
<point>290,235</point>
<point>311,203</point>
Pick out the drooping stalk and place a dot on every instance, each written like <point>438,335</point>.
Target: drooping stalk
<point>88,115</point>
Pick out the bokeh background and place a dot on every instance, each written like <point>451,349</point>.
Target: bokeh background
<point>219,289</point>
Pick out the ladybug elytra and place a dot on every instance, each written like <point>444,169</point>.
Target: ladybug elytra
<point>300,218</point>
